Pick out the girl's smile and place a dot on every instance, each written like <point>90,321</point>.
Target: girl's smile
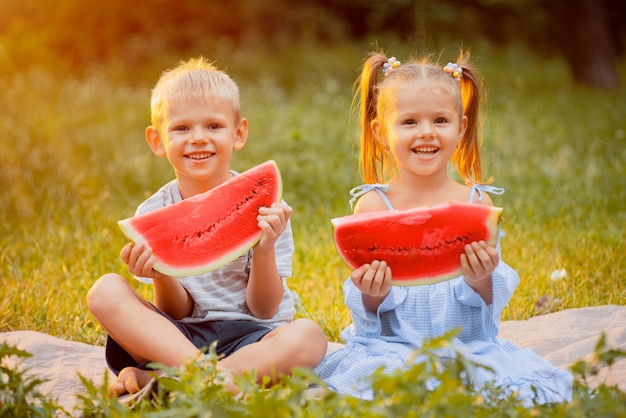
<point>426,152</point>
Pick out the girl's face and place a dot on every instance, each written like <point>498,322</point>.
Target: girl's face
<point>198,137</point>
<point>422,128</point>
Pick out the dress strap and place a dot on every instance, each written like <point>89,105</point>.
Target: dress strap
<point>479,188</point>
<point>366,188</point>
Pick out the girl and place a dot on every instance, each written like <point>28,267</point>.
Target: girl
<point>415,119</point>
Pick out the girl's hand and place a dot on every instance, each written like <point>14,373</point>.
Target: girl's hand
<point>373,279</point>
<point>140,260</point>
<point>479,261</point>
<point>272,222</point>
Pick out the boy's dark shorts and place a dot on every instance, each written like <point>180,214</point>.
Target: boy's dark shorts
<point>230,337</point>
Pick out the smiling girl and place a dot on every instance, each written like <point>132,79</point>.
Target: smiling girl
<point>416,119</point>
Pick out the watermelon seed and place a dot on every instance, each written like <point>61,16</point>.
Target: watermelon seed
<point>253,195</point>
<point>462,239</point>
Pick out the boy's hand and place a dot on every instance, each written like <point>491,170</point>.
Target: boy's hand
<point>272,222</point>
<point>373,279</point>
<point>140,260</point>
<point>479,261</point>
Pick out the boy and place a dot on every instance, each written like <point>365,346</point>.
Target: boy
<point>245,306</point>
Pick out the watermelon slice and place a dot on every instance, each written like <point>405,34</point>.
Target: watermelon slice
<point>421,245</point>
<point>209,230</point>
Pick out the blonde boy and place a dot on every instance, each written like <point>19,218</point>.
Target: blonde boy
<point>245,306</point>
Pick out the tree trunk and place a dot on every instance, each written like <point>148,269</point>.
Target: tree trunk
<point>586,41</point>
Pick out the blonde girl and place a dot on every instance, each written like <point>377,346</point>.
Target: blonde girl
<point>416,120</point>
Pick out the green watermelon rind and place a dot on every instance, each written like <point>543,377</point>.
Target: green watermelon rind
<point>135,236</point>
<point>417,216</point>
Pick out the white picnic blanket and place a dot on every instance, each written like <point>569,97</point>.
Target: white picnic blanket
<point>561,337</point>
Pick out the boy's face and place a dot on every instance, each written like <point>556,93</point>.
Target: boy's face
<point>198,138</point>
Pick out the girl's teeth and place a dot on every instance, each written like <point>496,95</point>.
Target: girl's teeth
<point>425,150</point>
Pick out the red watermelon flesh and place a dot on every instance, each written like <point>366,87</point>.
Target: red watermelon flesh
<point>209,230</point>
<point>421,245</point>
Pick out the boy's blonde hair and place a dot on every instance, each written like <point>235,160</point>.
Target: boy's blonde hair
<point>196,78</point>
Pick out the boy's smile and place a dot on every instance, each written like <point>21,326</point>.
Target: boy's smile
<point>199,156</point>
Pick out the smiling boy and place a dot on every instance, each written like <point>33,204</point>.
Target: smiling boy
<point>246,306</point>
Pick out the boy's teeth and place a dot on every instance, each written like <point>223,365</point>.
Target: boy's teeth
<point>199,156</point>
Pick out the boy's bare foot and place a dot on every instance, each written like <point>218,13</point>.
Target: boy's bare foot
<point>130,380</point>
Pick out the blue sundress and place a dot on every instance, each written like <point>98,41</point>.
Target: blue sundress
<point>408,315</point>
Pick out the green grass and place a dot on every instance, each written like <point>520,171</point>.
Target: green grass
<point>74,161</point>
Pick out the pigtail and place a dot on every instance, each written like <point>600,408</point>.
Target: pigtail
<point>467,156</point>
<point>372,155</point>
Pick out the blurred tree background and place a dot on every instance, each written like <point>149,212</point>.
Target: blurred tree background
<point>74,35</point>
<point>66,53</point>
<point>75,79</point>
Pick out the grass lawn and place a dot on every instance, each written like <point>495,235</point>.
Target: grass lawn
<point>75,162</point>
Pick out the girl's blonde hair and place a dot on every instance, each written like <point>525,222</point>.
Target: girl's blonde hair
<point>375,96</point>
<point>196,78</point>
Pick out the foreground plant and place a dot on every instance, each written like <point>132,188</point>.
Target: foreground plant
<point>197,389</point>
<point>431,388</point>
<point>19,396</point>
<point>434,388</point>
